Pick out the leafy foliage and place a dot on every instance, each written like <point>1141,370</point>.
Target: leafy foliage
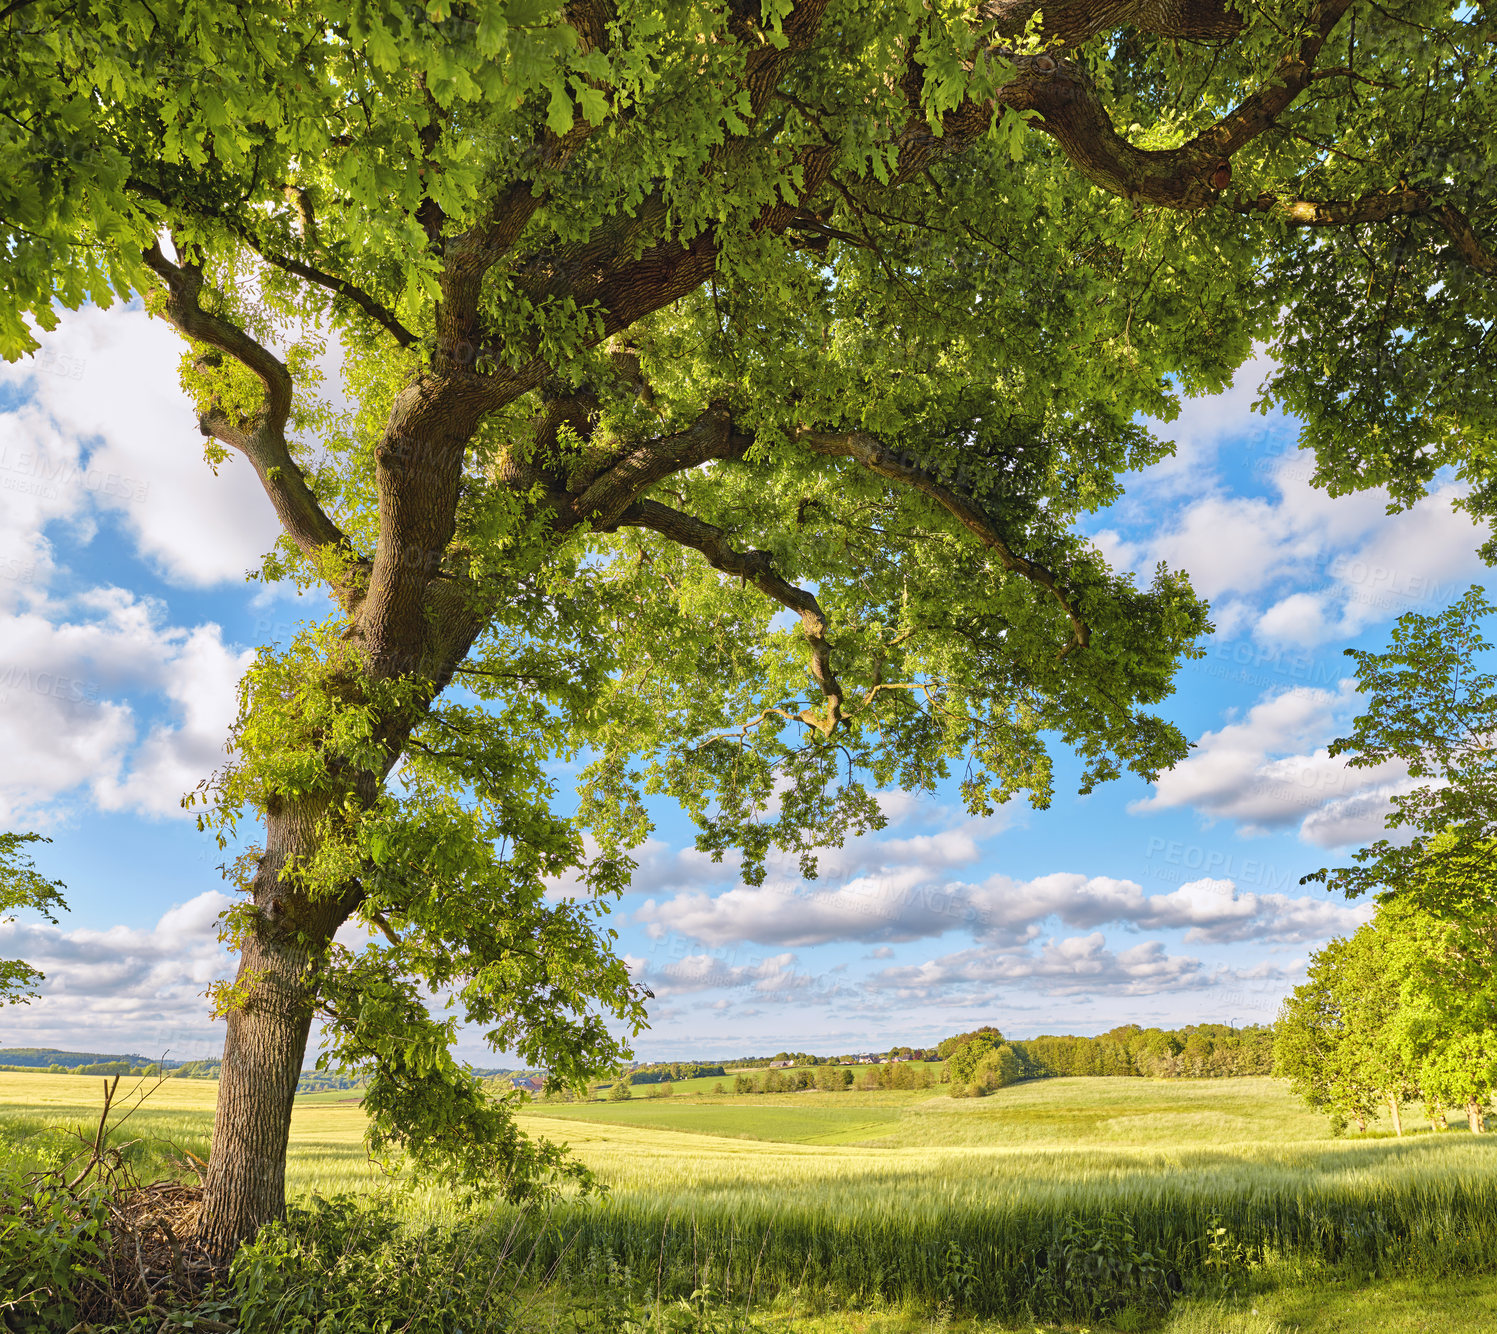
<point>23,886</point>
<point>1431,712</point>
<point>1405,1008</point>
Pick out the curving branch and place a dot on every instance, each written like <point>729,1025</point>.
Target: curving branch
<point>757,568</point>
<point>376,310</point>
<point>608,496</point>
<point>1379,207</point>
<point>1071,22</point>
<point>1191,176</point>
<point>877,457</point>
<point>261,437</point>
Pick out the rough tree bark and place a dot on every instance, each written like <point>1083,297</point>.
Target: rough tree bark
<point>269,1015</point>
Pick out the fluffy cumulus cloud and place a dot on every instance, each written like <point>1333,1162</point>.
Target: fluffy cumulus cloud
<point>101,428</point>
<point>101,698</point>
<point>1207,910</point>
<point>123,989</point>
<point>1273,770</point>
<point>1300,568</point>
<point>917,900</point>
<point>79,681</point>
<point>772,978</point>
<point>1070,966</point>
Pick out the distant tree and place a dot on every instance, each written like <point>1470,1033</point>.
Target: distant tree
<point>719,1087</point>
<point>1318,1047</point>
<point>620,1090</point>
<point>744,1083</point>
<point>949,1045</point>
<point>1406,1007</point>
<point>23,886</point>
<point>998,1069</point>
<point>962,1061</point>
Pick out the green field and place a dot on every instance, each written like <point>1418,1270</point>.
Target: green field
<point>872,1202</point>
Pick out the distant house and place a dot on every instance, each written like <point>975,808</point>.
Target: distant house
<point>781,1065</point>
<point>529,1083</point>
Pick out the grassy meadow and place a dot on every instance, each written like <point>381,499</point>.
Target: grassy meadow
<point>855,1205</point>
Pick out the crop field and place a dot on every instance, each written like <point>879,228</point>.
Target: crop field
<point>867,1198</point>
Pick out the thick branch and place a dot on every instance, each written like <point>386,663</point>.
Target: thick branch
<point>1190,176</point>
<point>757,568</point>
<point>1378,208</point>
<point>876,457</point>
<point>711,436</point>
<point>262,439</point>
<point>1072,22</point>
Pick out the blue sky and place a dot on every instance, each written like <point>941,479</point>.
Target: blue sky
<point>125,619</point>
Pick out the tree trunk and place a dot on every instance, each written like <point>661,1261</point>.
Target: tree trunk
<point>1397,1118</point>
<point>1475,1116</point>
<point>268,1021</point>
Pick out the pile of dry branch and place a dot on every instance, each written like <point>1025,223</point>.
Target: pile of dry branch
<point>148,1261</point>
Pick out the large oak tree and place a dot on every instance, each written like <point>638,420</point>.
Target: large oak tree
<point>724,381</point>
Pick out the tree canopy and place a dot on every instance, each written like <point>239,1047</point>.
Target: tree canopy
<point>718,388</point>
<point>1405,1008</point>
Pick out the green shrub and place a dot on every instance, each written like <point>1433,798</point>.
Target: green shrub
<point>51,1244</point>
<point>347,1265</point>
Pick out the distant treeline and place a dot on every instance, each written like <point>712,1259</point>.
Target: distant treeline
<point>49,1060</point>
<point>831,1077</point>
<point>983,1060</point>
<point>666,1072</point>
<point>805,1058</point>
<point>15,1058</point>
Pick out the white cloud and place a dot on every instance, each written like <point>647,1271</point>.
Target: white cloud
<point>1299,618</point>
<point>1273,770</point>
<point>775,978</point>
<point>123,989</point>
<point>106,427</point>
<point>73,676</point>
<point>1069,966</point>
<point>1304,567</point>
<point>1204,423</point>
<point>913,905</point>
<point>1208,910</point>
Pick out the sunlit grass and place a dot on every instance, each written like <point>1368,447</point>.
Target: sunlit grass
<point>863,1197</point>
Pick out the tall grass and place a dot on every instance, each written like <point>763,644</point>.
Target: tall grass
<point>962,1202</point>
<point>933,1224</point>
